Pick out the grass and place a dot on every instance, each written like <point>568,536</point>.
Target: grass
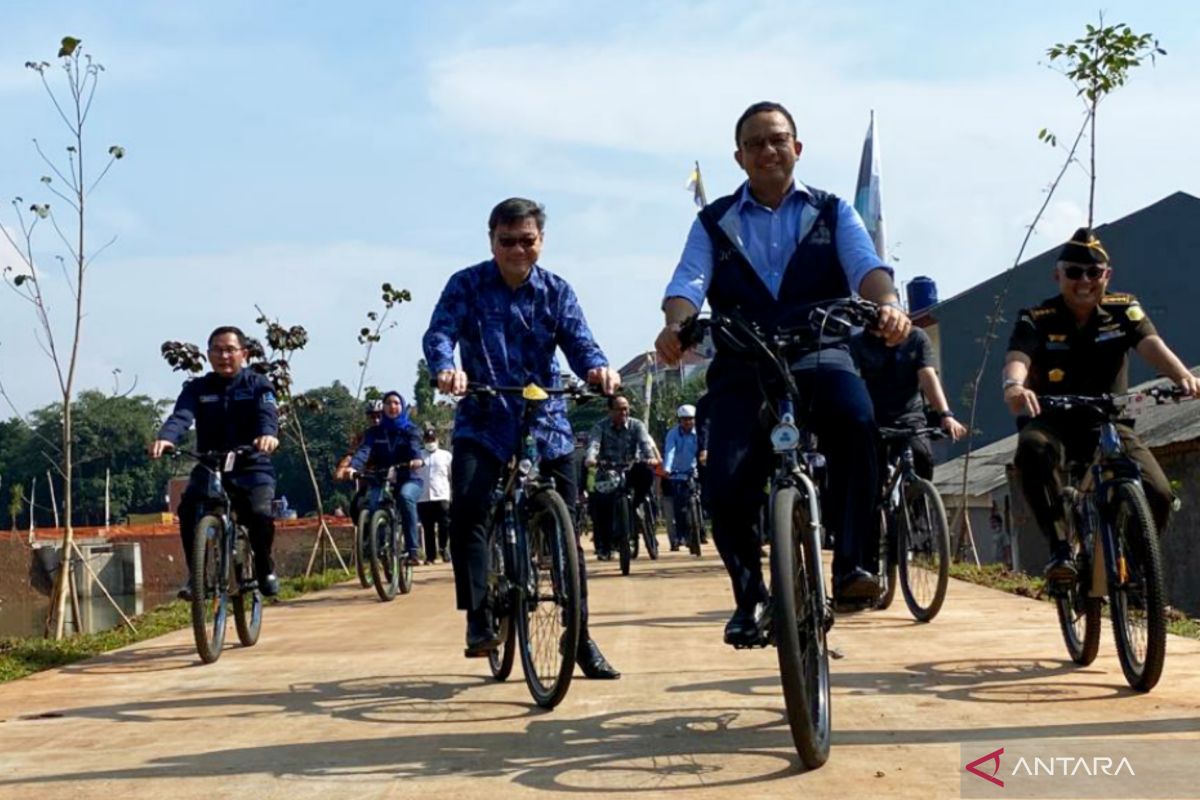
<point>20,657</point>
<point>997,576</point>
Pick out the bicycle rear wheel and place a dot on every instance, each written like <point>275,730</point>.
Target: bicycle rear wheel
<point>247,605</point>
<point>1137,599</point>
<point>500,660</point>
<point>548,621</point>
<point>385,555</point>
<point>923,549</point>
<point>649,532</point>
<point>362,550</point>
<point>799,624</point>
<point>209,586</point>
<point>624,532</point>
<point>1079,614</point>
<point>887,558</point>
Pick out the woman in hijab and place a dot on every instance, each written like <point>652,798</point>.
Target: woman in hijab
<point>396,442</point>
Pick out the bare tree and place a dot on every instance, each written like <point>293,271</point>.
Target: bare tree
<point>369,335</point>
<point>72,184</point>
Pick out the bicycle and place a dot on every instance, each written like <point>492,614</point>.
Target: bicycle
<point>391,568</point>
<point>695,515</point>
<point>645,522</point>
<point>914,536</point>
<point>533,572</point>
<point>362,524</point>
<point>1106,507</point>
<point>800,615</point>
<point>222,563</point>
<point>627,521</point>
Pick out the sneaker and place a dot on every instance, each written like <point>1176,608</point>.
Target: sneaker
<point>269,586</point>
<point>745,627</point>
<point>1061,567</point>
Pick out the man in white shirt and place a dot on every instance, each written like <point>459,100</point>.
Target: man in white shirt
<point>433,508</point>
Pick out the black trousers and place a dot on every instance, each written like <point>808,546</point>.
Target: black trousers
<point>252,505</point>
<point>476,472</point>
<point>435,519</point>
<point>740,460</point>
<point>922,455</point>
<point>1047,443</point>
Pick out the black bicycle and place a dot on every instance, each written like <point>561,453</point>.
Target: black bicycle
<point>533,573</point>
<point>914,542</point>
<point>1106,507</point>
<point>695,515</point>
<point>800,614</point>
<point>391,568</point>
<point>222,563</point>
<point>630,521</point>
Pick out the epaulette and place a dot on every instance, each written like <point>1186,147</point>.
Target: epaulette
<point>1042,311</point>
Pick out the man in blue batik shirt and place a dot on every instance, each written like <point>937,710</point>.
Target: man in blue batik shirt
<point>508,316</point>
<point>767,251</point>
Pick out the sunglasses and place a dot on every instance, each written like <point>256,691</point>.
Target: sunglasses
<point>508,242</point>
<point>1075,272</point>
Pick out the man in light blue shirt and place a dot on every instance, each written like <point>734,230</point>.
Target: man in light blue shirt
<point>768,252</point>
<point>682,447</point>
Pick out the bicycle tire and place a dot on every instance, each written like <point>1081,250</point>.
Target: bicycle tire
<point>1079,614</point>
<point>1138,550</point>
<point>500,660</point>
<point>695,521</point>
<point>624,532</point>
<point>384,555</point>
<point>798,625</point>
<point>649,531</point>
<point>247,606</point>
<point>888,565</point>
<point>209,609</point>
<point>548,623</point>
<point>926,548</point>
<point>362,552</point>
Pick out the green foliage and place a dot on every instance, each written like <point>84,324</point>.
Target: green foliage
<point>1100,60</point>
<point>428,410</point>
<point>667,396</point>
<point>333,422</point>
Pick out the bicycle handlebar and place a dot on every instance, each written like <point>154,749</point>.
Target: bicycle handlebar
<point>827,320</point>
<point>1110,404</point>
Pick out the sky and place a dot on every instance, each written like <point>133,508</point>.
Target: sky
<point>296,155</point>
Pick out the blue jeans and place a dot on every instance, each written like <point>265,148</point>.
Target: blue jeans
<point>407,495</point>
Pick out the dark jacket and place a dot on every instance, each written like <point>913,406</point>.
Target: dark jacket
<point>383,448</point>
<point>228,413</point>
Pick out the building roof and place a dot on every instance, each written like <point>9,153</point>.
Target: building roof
<point>1158,426</point>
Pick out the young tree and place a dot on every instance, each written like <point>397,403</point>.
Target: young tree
<point>74,186</point>
<point>369,335</point>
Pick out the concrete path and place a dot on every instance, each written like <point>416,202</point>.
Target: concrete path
<point>348,697</point>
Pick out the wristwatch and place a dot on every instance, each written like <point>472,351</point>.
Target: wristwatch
<point>1012,382</point>
<point>947,414</point>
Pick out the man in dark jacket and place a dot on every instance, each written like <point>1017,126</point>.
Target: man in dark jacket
<point>231,407</point>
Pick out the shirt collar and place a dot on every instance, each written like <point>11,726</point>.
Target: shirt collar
<point>798,193</point>
<point>536,280</point>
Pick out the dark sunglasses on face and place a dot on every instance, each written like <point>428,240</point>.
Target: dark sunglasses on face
<point>512,241</point>
<point>1075,272</point>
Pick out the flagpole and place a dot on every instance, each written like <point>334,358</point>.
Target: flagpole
<point>700,187</point>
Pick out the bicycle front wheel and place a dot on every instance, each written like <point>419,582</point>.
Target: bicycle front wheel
<point>549,617</point>
<point>385,555</point>
<point>696,523</point>
<point>648,531</point>
<point>247,605</point>
<point>923,549</point>
<point>209,588</point>
<point>1137,598</point>
<point>1079,614</point>
<point>798,625</point>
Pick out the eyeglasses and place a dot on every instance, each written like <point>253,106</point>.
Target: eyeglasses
<point>1074,272</point>
<point>776,141</point>
<point>224,351</point>
<point>525,242</point>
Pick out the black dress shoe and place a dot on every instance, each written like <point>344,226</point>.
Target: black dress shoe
<point>857,584</point>
<point>1061,568</point>
<point>269,586</point>
<point>592,662</point>
<point>481,636</point>
<point>185,591</point>
<point>745,627</point>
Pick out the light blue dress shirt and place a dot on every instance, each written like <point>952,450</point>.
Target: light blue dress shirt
<point>768,237</point>
<point>681,451</point>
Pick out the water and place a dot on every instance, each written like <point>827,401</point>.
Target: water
<point>27,616</point>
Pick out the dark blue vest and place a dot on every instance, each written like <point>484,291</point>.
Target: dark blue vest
<point>814,274</point>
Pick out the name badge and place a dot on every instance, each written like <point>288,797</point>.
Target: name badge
<point>1106,335</point>
<point>210,398</point>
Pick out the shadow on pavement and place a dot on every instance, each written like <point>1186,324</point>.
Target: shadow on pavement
<point>654,750</point>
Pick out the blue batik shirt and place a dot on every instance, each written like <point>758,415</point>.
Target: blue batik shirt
<point>508,337</point>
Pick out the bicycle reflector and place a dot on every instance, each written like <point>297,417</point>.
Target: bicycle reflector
<point>534,392</point>
<point>785,436</point>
